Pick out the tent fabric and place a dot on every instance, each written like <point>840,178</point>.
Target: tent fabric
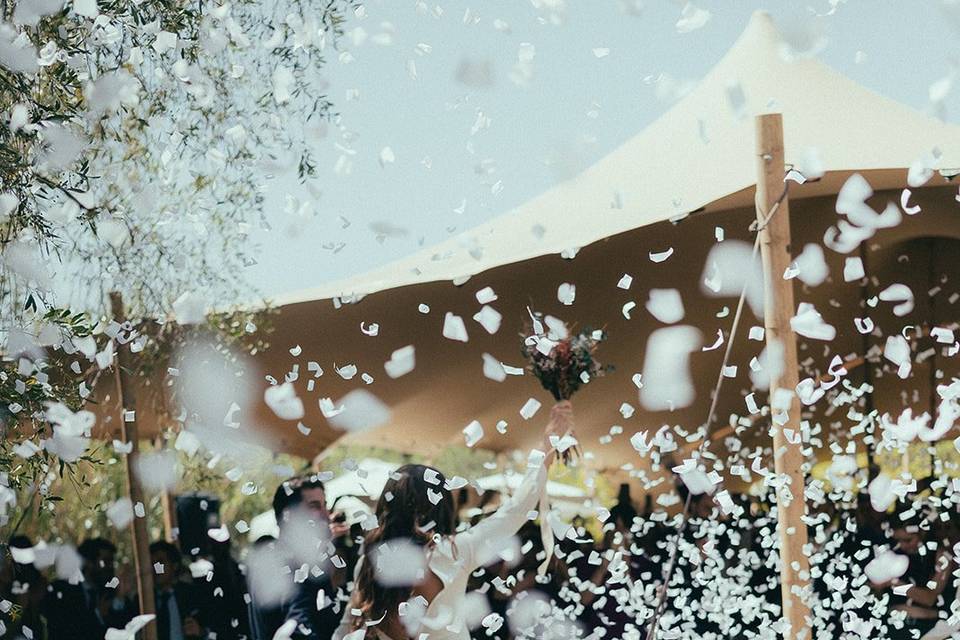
<point>670,187</point>
<point>697,155</point>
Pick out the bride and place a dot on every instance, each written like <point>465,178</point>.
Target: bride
<point>416,507</point>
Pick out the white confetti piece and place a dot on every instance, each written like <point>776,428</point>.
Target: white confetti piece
<point>387,156</point>
<point>157,470</point>
<point>853,269</point>
<point>567,293</point>
<point>402,361</point>
<point>493,369</point>
<point>361,411</point>
<point>921,170</point>
<point>625,281</point>
<point>795,176</point>
<point>188,443</point>
<point>886,566</point>
<point>666,375</point>
<point>346,372</point>
<point>716,343</point>
<point>661,256</point>
<point>165,41</point>
<point>812,265</point>
<point>120,513</point>
<point>694,478</point>
<point>863,325</point>
<point>942,335</point>
<point>729,269</point>
<point>904,203</point>
<point>328,408</point>
<point>473,433</point>
<point>486,295</point>
<point>901,294</point>
<point>399,562</point>
<point>489,318</point>
<point>511,370</point>
<point>220,534</point>
<point>692,18</point>
<point>131,629</point>
<point>897,350</point>
<point>810,324</point>
<point>283,401</point>
<point>189,308</point>
<point>562,444</point>
<point>454,329</point>
<point>853,194</point>
<point>665,305</point>
<point>530,408</point>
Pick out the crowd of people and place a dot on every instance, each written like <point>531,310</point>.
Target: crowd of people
<point>412,568</point>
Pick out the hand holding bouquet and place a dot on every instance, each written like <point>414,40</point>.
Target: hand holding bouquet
<point>558,433</point>
<point>563,362</point>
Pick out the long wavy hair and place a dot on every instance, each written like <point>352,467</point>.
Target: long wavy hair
<point>404,510</point>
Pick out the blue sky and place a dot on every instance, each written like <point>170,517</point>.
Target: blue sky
<point>470,140</point>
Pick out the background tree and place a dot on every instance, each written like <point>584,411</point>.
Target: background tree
<point>135,138</point>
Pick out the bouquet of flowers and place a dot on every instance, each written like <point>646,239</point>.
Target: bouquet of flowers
<point>561,360</point>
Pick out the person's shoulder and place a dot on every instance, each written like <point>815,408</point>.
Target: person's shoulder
<point>61,587</point>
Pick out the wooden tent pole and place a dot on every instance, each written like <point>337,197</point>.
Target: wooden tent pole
<point>778,310</point>
<point>167,504</point>
<point>138,527</point>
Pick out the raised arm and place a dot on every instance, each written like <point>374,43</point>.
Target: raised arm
<point>481,542</point>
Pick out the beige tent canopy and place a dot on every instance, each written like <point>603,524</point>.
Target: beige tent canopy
<point>669,188</point>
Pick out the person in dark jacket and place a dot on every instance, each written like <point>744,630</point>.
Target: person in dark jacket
<point>183,610</point>
<point>87,608</point>
<point>225,589</point>
<point>307,604</point>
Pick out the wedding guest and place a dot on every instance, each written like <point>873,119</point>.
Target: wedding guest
<point>181,606</point>
<point>79,611</point>
<point>225,590</point>
<point>300,507</point>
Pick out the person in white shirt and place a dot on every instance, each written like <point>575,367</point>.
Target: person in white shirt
<point>417,510</point>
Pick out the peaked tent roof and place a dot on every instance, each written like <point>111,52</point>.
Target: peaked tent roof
<point>691,158</point>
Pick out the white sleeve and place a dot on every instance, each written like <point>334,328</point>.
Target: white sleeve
<point>345,629</point>
<point>479,544</point>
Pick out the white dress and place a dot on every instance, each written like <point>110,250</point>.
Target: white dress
<point>453,560</point>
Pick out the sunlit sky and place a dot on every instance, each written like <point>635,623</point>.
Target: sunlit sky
<point>471,134</point>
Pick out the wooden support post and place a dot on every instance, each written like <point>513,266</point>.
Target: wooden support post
<point>167,505</point>
<point>778,310</point>
<point>138,527</point>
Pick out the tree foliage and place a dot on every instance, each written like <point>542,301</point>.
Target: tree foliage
<point>135,138</point>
